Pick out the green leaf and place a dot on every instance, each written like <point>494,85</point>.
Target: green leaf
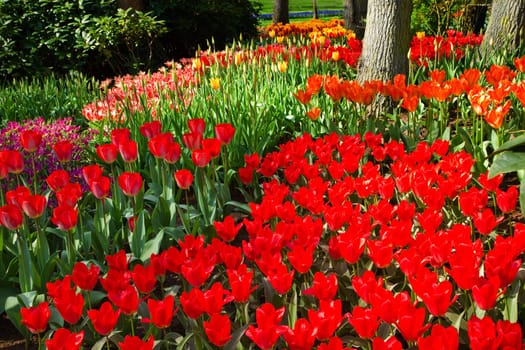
<point>522,197</point>
<point>152,246</point>
<point>511,303</point>
<point>517,141</point>
<point>6,292</point>
<point>507,162</point>
<point>138,237</point>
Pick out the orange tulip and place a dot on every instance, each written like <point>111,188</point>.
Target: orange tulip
<point>496,115</point>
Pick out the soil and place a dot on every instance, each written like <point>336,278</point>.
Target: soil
<point>10,338</point>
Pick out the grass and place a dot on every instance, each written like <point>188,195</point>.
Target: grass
<point>303,5</point>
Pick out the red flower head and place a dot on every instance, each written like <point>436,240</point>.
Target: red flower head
<point>506,200</point>
<point>197,125</point>
<point>240,282</point>
<point>200,157</point>
<point>34,205</point>
<point>193,303</point>
<point>159,144</point>
<point>85,278</point>
<point>30,140</point>
<point>224,133</point>
<point>63,339</point>
<point>36,318</point>
<point>13,160</point>
<point>125,298</point>
<point>364,321</point>
<point>151,129</point>
<point>128,150</point>
<point>172,153</point>
<point>144,278</point>
<point>91,172</point>
<point>120,135</point>
<point>183,178</point>
<point>161,311</point>
<point>70,305</point>
<point>118,261</point>
<point>482,333</point>
<point>267,332</point>
<point>302,336</point>
<point>104,319</point>
<point>324,288</point>
<point>130,183</point>
<point>63,150</point>
<point>57,180</point>
<point>107,152</point>
<point>218,329</point>
<point>4,171</point>
<point>213,146</point>
<point>100,187</point>
<point>327,319</point>
<point>227,229</point>
<point>215,298</point>
<point>69,195</point>
<point>135,343</point>
<point>11,217</point>
<point>440,338</point>
<point>192,140</point>
<point>65,217</point>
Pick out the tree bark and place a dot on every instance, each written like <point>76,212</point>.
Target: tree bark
<point>506,27</point>
<point>474,16</point>
<point>280,11</point>
<point>315,12</point>
<point>386,40</point>
<point>354,15</point>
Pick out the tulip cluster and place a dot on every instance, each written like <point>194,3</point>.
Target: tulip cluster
<point>355,243</point>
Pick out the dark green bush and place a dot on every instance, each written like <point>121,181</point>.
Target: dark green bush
<point>57,36</point>
<point>192,24</point>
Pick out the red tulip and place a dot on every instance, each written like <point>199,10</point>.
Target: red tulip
<point>158,145</point>
<point>135,343</point>
<point>213,146</point>
<point>70,305</point>
<point>118,261</point>
<point>144,278</point>
<point>85,278</point>
<point>240,282</point>
<point>63,339</point>
<point>218,329</point>
<point>173,153</point>
<point>65,217</point>
<point>36,318</point>
<point>130,183</point>
<point>192,140</point>
<point>30,140</point>
<point>128,150</point>
<point>324,288</point>
<point>16,196</point>
<point>4,171</point>
<point>227,229</point>
<point>302,336</point>
<point>506,201</point>
<point>13,160</point>
<point>107,153</point>
<point>105,319</point>
<point>161,311</point>
<point>441,338</point>
<point>120,135</point>
<point>91,172</point>
<point>224,132</point>
<point>197,125</point>
<point>192,303</point>
<point>364,321</point>
<point>150,129</point>
<point>63,150</point>
<point>34,205</point>
<point>125,298</point>
<point>57,180</point>
<point>100,187</point>
<point>11,217</point>
<point>69,195</point>
<point>200,157</point>
<point>183,178</point>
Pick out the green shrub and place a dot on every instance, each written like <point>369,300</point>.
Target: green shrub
<point>191,24</point>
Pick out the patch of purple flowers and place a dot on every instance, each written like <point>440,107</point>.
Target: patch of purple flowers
<point>45,158</point>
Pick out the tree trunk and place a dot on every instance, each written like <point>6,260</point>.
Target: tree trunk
<point>506,28</point>
<point>354,15</point>
<point>315,13</point>
<point>280,11</point>
<point>386,40</point>
<point>474,16</point>
<point>137,5</point>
